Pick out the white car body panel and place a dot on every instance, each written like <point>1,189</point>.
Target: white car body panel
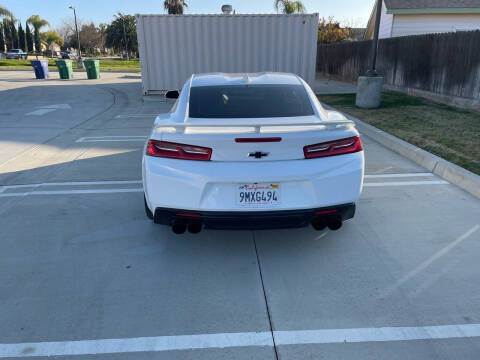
<point>211,185</point>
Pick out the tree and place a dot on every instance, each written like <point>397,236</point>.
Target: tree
<point>102,32</point>
<point>174,6</point>
<point>122,33</point>
<point>7,33</point>
<point>37,24</point>
<point>13,34</point>
<point>331,32</point>
<point>21,38</point>
<point>28,38</point>
<point>68,33</point>
<point>51,37</point>
<point>5,12</point>
<point>289,7</point>
<point>91,39</point>
<point>2,39</point>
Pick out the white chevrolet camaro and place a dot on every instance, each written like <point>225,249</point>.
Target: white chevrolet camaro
<point>251,151</point>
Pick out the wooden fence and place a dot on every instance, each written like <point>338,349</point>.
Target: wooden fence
<point>447,64</point>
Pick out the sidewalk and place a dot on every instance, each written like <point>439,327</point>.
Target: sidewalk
<point>325,86</point>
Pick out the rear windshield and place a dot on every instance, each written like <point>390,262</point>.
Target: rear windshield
<point>249,101</point>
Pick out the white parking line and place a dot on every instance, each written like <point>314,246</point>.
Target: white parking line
<point>359,335</point>
<point>375,176</point>
<point>126,116</point>
<point>227,340</point>
<point>407,183</point>
<point>34,187</point>
<point>72,183</point>
<point>110,138</point>
<point>72,192</point>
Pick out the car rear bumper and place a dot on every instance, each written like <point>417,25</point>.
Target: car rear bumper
<point>248,220</point>
<point>212,185</point>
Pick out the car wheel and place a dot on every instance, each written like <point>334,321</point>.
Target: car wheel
<point>147,210</point>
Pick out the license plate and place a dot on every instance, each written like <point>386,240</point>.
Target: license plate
<point>258,194</point>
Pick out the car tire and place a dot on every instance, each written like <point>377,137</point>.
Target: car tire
<point>147,210</point>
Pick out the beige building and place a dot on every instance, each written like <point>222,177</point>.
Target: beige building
<point>415,17</point>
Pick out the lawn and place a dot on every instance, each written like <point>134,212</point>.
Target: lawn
<point>119,65</point>
<point>448,132</point>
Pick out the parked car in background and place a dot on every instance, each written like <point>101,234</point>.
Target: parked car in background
<point>16,54</point>
<point>251,151</point>
<point>68,54</point>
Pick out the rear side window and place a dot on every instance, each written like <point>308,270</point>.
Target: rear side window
<point>249,101</point>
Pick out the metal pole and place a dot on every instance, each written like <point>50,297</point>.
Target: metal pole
<point>378,15</point>
<point>79,60</point>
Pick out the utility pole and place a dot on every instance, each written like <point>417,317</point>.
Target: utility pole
<point>369,87</point>
<point>79,59</point>
<point>373,70</point>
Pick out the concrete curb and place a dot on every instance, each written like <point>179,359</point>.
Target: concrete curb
<point>454,174</point>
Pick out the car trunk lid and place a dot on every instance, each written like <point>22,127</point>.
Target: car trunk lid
<point>259,139</point>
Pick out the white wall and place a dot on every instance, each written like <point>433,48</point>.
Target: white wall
<point>385,24</point>
<point>174,47</point>
<point>433,23</point>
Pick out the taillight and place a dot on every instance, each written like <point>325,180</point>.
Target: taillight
<point>331,148</point>
<point>178,151</point>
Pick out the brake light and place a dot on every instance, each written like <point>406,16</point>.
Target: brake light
<point>258,140</point>
<point>178,151</point>
<point>332,148</point>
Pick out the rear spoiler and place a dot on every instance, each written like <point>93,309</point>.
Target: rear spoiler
<point>252,126</point>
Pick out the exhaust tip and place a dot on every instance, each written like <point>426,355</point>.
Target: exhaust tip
<point>334,222</point>
<point>179,228</point>
<point>195,228</point>
<point>319,223</point>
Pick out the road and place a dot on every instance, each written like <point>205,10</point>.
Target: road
<point>85,275</point>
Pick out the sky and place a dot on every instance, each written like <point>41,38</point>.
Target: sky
<point>349,12</point>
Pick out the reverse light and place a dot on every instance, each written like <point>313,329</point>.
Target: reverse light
<point>332,148</point>
<point>177,151</point>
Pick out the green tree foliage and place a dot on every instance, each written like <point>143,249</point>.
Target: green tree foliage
<point>7,33</point>
<point>122,31</point>
<point>289,7</point>
<point>2,39</point>
<point>13,34</point>
<point>37,24</point>
<point>28,38</point>
<point>21,38</point>
<point>90,39</point>
<point>330,31</point>
<point>51,37</point>
<point>174,6</point>
<point>37,42</point>
<point>5,12</point>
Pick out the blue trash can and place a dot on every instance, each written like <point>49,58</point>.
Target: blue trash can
<point>41,68</point>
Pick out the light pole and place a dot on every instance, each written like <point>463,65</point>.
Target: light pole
<point>79,59</point>
<point>373,70</point>
<point>369,86</point>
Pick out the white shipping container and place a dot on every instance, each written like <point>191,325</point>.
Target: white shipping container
<point>173,47</point>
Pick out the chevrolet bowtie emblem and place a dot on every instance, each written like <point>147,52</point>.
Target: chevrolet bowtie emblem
<point>257,155</point>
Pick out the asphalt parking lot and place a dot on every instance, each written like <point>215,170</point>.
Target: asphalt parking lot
<point>85,275</point>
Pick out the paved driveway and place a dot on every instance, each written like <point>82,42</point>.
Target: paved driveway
<point>85,275</point>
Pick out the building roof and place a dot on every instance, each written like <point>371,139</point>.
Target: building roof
<point>432,6</point>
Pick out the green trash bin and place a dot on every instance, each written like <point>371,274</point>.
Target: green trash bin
<point>93,68</point>
<point>64,67</point>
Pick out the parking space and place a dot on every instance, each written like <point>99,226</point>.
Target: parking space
<point>84,273</point>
